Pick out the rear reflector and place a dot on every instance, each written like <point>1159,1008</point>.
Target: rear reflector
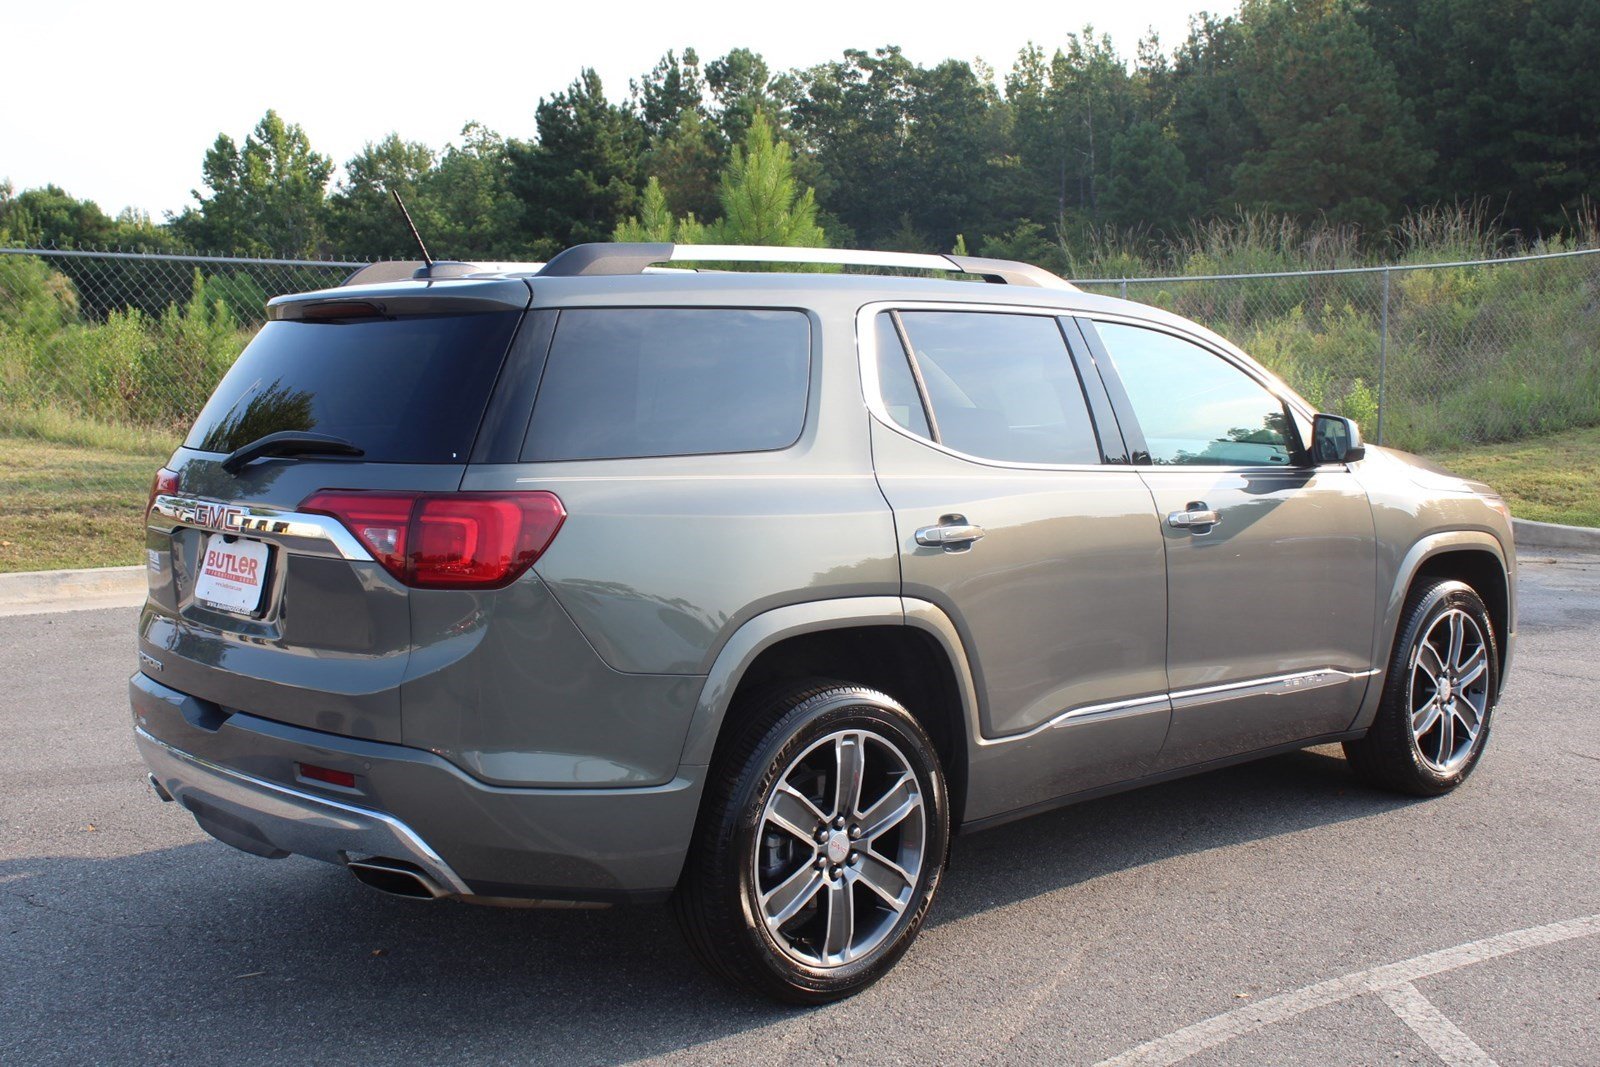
<point>314,773</point>
<point>447,540</point>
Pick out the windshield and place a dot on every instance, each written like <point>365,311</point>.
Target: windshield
<point>405,390</point>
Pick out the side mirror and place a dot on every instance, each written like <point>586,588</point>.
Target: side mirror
<point>1335,439</point>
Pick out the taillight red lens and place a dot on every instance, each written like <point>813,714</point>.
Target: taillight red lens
<point>164,483</point>
<point>448,541</point>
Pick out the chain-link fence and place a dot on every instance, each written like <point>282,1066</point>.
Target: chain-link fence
<point>1426,357</point>
<point>105,358</point>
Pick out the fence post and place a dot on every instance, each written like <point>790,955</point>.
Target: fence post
<point>1124,286</point>
<point>1383,352</point>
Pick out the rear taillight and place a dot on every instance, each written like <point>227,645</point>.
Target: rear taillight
<point>165,482</point>
<point>447,540</point>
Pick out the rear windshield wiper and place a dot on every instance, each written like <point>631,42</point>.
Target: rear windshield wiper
<point>290,443</point>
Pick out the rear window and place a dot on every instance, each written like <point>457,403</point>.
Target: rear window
<point>405,390</point>
<point>632,382</point>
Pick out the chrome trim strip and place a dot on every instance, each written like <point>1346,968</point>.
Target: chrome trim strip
<point>1193,698</point>
<point>253,519</point>
<point>294,821</point>
<point>1269,686</point>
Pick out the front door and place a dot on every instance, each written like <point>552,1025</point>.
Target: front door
<point>1047,558</point>
<point>1271,562</point>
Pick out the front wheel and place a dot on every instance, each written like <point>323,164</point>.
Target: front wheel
<point>1438,697</point>
<point>820,845</point>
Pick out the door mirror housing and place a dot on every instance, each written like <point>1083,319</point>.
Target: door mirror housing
<point>1335,439</point>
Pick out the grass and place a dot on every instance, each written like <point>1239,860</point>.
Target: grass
<point>68,505</point>
<point>1555,478</point>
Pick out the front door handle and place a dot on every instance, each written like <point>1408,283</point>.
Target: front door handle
<point>953,534</point>
<point>1197,517</point>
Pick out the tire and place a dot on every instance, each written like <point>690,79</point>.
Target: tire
<point>1438,696</point>
<point>753,903</point>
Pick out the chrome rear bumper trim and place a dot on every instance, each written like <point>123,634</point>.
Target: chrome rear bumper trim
<point>289,819</point>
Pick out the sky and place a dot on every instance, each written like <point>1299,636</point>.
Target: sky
<point>118,102</point>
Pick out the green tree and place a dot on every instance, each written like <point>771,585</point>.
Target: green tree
<point>470,191</point>
<point>1338,139</point>
<point>761,202</point>
<point>363,219</point>
<point>671,88</point>
<point>1148,184</point>
<point>1558,161</point>
<point>264,198</point>
<point>582,175</point>
<point>686,160</point>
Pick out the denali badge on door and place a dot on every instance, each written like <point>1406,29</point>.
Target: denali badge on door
<point>231,575</point>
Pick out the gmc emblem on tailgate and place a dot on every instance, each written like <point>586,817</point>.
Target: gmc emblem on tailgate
<point>213,516</point>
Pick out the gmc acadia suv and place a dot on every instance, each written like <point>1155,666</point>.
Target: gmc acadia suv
<point>605,581</point>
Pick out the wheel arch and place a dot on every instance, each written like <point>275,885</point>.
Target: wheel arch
<point>1474,557</point>
<point>905,648</point>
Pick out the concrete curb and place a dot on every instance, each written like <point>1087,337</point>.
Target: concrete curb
<point>1552,535</point>
<point>27,588</point>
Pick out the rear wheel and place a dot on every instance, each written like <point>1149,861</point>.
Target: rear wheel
<point>820,845</point>
<point>1440,692</point>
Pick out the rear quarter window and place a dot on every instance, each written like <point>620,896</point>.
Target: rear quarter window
<point>624,383</point>
<point>404,390</point>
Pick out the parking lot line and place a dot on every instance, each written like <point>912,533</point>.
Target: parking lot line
<point>1219,1029</point>
<point>1444,1037</point>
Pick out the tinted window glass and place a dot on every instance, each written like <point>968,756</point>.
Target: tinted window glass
<point>1002,386</point>
<point>1193,406</point>
<point>895,383</point>
<point>624,382</point>
<point>407,390</point>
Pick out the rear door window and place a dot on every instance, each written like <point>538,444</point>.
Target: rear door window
<point>404,390</point>
<point>1002,386</point>
<point>624,383</point>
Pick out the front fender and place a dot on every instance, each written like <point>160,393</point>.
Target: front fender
<point>1427,548</point>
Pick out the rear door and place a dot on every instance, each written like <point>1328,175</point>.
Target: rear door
<point>1271,561</point>
<point>258,604</point>
<point>1017,515</point>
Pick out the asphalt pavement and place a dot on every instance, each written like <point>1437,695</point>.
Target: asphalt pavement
<point>1279,912</point>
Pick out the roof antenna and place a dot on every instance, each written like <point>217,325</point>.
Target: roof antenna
<point>427,259</point>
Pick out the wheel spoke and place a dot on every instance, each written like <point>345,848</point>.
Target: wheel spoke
<point>850,760</point>
<point>891,808</point>
<point>1474,667</point>
<point>794,812</point>
<point>1458,633</point>
<point>1447,736</point>
<point>1429,664</point>
<point>885,878</point>
<point>1423,719</point>
<point>841,920</point>
<point>790,895</point>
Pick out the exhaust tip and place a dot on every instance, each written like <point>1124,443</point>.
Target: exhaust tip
<point>160,790</point>
<point>395,877</point>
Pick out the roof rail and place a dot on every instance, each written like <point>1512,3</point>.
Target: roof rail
<point>591,260</point>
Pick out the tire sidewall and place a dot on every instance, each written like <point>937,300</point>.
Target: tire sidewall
<point>814,718</point>
<point>1437,601</point>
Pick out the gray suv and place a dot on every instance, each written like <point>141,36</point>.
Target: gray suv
<point>606,580</point>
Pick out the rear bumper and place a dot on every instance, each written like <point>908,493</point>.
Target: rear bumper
<point>272,820</point>
<point>239,776</point>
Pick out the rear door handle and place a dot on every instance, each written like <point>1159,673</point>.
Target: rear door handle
<point>952,534</point>
<point>1195,514</point>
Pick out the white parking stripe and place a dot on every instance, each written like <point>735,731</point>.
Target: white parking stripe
<point>1181,1044</point>
<point>1452,1046</point>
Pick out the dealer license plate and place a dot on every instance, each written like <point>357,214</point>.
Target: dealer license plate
<point>232,574</point>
